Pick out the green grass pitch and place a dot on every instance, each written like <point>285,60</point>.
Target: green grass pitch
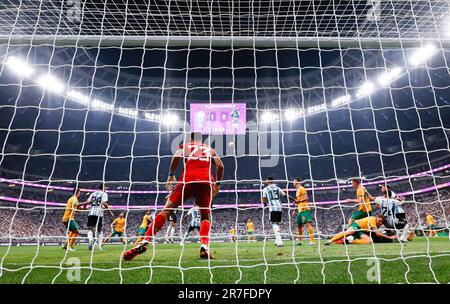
<point>419,261</point>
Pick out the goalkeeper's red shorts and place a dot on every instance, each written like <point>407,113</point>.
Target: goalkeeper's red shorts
<point>200,192</point>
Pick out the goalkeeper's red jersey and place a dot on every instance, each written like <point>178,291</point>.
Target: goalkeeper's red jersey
<point>197,162</point>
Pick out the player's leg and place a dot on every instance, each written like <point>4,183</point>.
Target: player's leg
<point>307,220</point>
<point>363,239</point>
<point>172,232</point>
<point>349,231</point>
<point>166,236</point>
<point>90,225</point>
<point>74,235</point>
<point>186,234</point>
<point>108,238</point>
<point>203,196</point>
<point>179,193</point>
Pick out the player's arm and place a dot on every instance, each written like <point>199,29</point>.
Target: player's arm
<point>173,167</point>
<point>219,173</point>
<point>106,206</point>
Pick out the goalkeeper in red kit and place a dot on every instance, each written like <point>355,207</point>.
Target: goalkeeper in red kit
<point>196,181</point>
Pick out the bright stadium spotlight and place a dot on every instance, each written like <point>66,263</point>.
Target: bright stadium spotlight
<point>98,104</point>
<point>341,100</point>
<point>127,112</point>
<point>19,67</point>
<point>422,54</point>
<point>290,114</point>
<point>170,119</point>
<point>51,83</point>
<point>387,77</point>
<point>365,90</point>
<point>268,116</point>
<point>78,96</point>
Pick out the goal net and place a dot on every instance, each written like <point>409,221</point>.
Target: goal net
<point>325,95</point>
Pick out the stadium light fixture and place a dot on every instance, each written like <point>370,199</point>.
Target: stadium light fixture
<point>366,89</point>
<point>170,119</point>
<point>422,54</point>
<point>78,96</point>
<point>98,104</point>
<point>127,112</point>
<point>341,100</point>
<point>152,116</point>
<point>51,83</point>
<point>19,67</point>
<point>317,108</point>
<point>290,114</point>
<point>385,78</point>
<point>268,116</point>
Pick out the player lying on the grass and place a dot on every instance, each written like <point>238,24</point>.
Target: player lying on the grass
<point>68,220</point>
<point>431,225</point>
<point>172,226</point>
<point>196,181</point>
<point>194,212</point>
<point>394,218</point>
<point>304,213</point>
<point>250,230</point>
<point>271,195</point>
<point>98,201</point>
<point>360,231</point>
<point>117,229</point>
<point>147,219</point>
<point>363,199</point>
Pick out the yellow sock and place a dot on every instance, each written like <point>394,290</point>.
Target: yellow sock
<point>338,237</point>
<point>311,233</point>
<point>73,238</point>
<point>300,233</point>
<point>69,237</point>
<point>138,240</point>
<point>361,241</point>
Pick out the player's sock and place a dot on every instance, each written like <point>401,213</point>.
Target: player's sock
<point>276,231</point>
<point>154,227</point>
<point>300,233</point>
<point>73,238</point>
<point>168,233</point>
<point>90,235</point>
<point>171,233</point>
<point>337,237</point>
<point>100,239</point>
<point>361,241</point>
<point>205,226</point>
<point>311,233</point>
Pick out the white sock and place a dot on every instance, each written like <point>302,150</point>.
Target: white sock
<point>276,231</point>
<point>172,233</point>
<point>168,233</point>
<point>405,231</point>
<point>90,236</point>
<point>100,238</point>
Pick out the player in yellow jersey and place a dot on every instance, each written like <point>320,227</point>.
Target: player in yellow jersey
<point>146,220</point>
<point>68,220</point>
<point>363,199</point>
<point>359,231</point>
<point>250,230</point>
<point>431,225</point>
<point>232,234</point>
<point>304,216</point>
<point>117,229</point>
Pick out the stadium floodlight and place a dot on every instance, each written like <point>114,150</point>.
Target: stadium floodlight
<point>366,89</point>
<point>170,119</point>
<point>290,114</point>
<point>78,96</point>
<point>341,100</point>
<point>19,67</point>
<point>317,108</point>
<point>387,77</point>
<point>422,54</point>
<point>152,116</point>
<point>98,104</point>
<point>127,112</point>
<point>268,116</point>
<point>51,83</point>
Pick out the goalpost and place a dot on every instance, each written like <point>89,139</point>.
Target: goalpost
<point>102,91</point>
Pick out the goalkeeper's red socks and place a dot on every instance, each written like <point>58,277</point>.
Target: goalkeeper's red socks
<point>205,226</point>
<point>155,226</point>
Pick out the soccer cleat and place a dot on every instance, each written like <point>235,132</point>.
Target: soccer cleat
<point>100,248</point>
<point>204,253</point>
<point>279,245</point>
<point>327,243</point>
<point>299,244</point>
<point>90,246</point>
<point>311,243</point>
<point>135,251</point>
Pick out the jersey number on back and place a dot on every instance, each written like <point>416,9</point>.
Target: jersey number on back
<point>199,153</point>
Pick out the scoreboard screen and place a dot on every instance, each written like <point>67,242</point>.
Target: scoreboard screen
<point>218,118</point>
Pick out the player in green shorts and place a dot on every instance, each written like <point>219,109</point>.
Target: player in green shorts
<point>358,214</point>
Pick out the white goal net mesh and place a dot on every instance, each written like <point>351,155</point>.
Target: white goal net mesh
<point>103,91</point>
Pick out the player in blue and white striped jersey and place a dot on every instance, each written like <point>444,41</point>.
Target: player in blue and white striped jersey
<point>194,212</point>
<point>98,202</point>
<point>271,196</point>
<point>394,216</point>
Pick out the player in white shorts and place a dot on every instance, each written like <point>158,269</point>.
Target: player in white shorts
<point>194,212</point>
<point>98,202</point>
<point>271,196</point>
